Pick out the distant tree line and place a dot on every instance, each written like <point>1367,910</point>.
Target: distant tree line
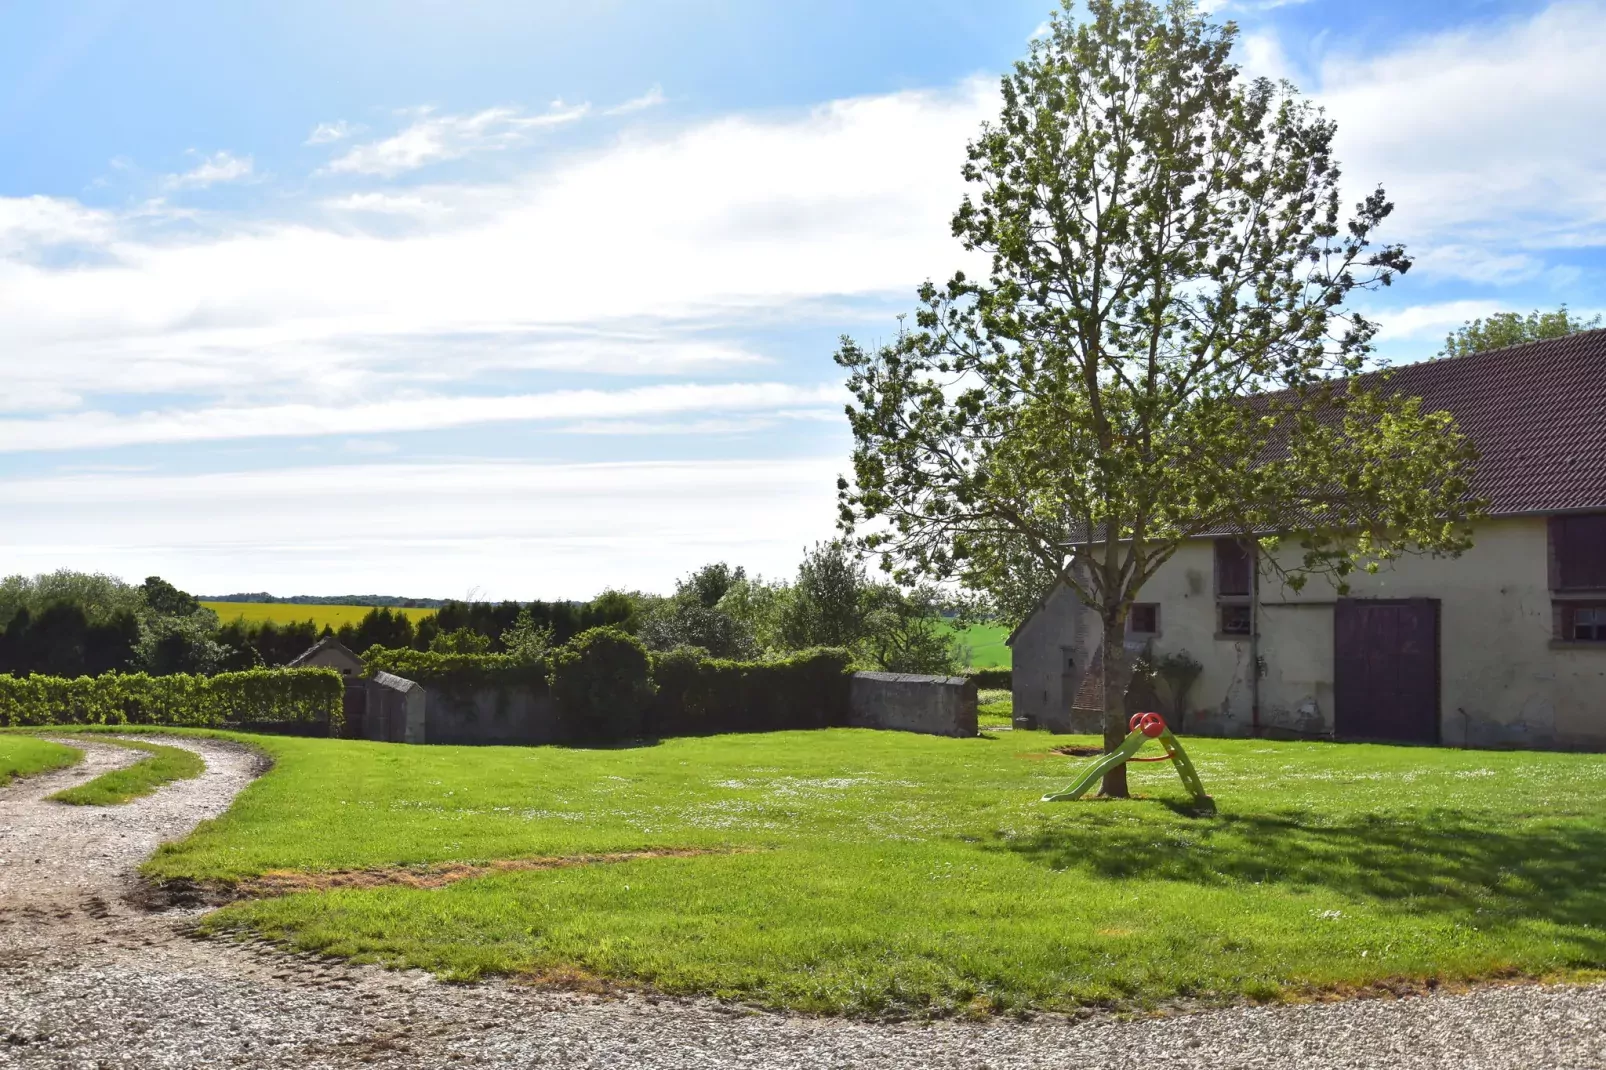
<point>83,624</point>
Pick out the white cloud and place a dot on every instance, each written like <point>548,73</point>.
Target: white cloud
<point>329,133</point>
<point>29,224</point>
<point>1487,137</point>
<point>612,261</point>
<point>1431,321</point>
<point>650,99</point>
<point>513,530</point>
<point>89,430</point>
<point>218,167</point>
<point>436,138</point>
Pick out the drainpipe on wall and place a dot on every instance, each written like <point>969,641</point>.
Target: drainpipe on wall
<point>1254,640</point>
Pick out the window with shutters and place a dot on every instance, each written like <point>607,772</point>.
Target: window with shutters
<point>1578,552</point>
<point>1232,569</point>
<point>1582,622</point>
<point>1144,618</point>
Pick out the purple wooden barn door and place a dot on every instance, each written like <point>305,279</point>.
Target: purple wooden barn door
<point>1386,669</point>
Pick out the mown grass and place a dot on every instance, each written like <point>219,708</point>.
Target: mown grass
<point>163,766</point>
<point>994,708</point>
<point>25,756</point>
<point>295,613</point>
<point>883,872</point>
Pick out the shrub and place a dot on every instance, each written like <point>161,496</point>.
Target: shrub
<point>456,672</point>
<point>256,696</point>
<point>698,695</point>
<point>992,679</point>
<point>602,684</point>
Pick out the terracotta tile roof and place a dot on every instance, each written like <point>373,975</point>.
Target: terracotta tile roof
<point>1537,413</point>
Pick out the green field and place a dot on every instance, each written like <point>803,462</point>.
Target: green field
<point>294,613</point>
<point>25,756</point>
<point>852,871</point>
<point>986,645</point>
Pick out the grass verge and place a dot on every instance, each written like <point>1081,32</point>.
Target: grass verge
<point>850,871</point>
<point>25,756</point>
<point>165,765</point>
<point>995,708</point>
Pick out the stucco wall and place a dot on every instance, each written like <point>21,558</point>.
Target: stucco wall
<point>1503,682</point>
<point>935,705</point>
<point>1046,663</point>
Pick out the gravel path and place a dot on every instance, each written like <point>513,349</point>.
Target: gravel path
<point>88,980</point>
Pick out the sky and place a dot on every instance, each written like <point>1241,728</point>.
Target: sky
<point>533,299</point>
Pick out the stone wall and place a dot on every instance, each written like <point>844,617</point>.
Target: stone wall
<point>1049,660</point>
<point>495,715</point>
<point>935,705</point>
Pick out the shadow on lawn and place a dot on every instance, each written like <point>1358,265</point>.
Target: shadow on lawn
<point>1433,861</point>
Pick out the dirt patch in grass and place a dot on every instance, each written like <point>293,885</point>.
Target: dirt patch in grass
<point>1079,751</point>
<point>164,895</point>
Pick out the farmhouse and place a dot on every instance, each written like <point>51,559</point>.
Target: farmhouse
<point>1503,646</point>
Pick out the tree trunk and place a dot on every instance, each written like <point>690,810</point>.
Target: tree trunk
<point>1117,678</point>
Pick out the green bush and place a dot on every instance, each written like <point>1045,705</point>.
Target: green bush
<point>456,672</point>
<point>992,679</point>
<point>602,684</point>
<point>255,697</point>
<point>698,695</point>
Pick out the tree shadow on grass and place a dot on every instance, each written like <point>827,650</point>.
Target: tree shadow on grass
<point>1431,861</point>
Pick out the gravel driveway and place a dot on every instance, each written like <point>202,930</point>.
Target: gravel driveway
<point>88,980</point>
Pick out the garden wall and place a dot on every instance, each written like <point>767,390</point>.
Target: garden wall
<point>935,705</point>
<point>396,710</point>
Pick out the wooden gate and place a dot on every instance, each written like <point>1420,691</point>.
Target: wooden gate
<point>1386,669</point>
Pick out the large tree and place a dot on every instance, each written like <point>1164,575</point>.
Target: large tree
<point>1513,328</point>
<point>1162,347</point>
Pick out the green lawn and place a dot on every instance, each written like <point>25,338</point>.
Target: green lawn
<point>985,644</point>
<point>163,766</point>
<point>26,756</point>
<point>867,872</point>
<point>994,708</point>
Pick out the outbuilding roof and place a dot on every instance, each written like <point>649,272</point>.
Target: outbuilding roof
<point>1537,414</point>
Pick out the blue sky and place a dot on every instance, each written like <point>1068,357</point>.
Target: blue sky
<point>531,299</point>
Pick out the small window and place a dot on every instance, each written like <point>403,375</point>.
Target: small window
<point>1234,619</point>
<point>1583,623</point>
<point>1232,568</point>
<point>1144,619</point>
<point>1578,552</point>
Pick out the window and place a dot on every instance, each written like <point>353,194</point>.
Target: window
<point>1232,568</point>
<point>1583,622</point>
<point>1234,618</point>
<point>1144,619</point>
<point>1578,552</point>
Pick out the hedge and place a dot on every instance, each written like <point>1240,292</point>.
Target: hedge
<point>456,672</point>
<point>992,679</point>
<point>698,695</point>
<point>256,696</point>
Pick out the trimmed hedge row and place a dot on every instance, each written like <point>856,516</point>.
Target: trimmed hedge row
<point>992,679</point>
<point>456,672</point>
<point>256,696</point>
<point>704,696</point>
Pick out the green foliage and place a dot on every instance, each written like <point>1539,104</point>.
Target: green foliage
<point>60,639</point>
<point>992,679</point>
<point>460,641</point>
<point>25,756</point>
<point>101,597</point>
<point>163,765</point>
<point>527,641</point>
<point>602,683</point>
<point>252,697</point>
<point>381,626</point>
<point>1512,328</point>
<point>698,695</point>
<point>827,604</point>
<point>1163,346</point>
<point>264,643</point>
<point>695,615</point>
<point>885,872</point>
<point>457,673</point>
<point>905,632</point>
